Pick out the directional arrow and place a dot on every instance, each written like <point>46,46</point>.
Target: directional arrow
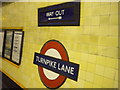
<point>60,17</point>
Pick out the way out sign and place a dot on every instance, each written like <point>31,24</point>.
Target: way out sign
<point>65,14</point>
<point>54,65</point>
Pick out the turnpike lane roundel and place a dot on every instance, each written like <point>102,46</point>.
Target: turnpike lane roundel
<point>50,79</point>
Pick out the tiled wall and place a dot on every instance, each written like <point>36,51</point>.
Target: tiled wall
<point>93,44</point>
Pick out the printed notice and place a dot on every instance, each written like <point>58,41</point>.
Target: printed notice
<point>17,46</point>
<point>8,44</point>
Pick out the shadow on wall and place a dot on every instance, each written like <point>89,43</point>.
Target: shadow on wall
<point>5,3</point>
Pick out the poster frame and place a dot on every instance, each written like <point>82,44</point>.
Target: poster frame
<point>21,46</point>
<point>4,45</point>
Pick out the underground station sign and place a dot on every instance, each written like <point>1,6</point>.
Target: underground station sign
<point>65,14</point>
<point>54,65</point>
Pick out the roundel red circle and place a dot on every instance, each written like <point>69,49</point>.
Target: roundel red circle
<point>53,44</point>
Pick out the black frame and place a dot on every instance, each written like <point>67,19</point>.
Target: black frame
<point>13,30</point>
<point>20,56</point>
<point>75,21</point>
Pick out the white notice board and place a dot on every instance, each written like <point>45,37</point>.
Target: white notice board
<point>17,45</point>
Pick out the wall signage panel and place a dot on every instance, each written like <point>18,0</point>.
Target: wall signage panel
<point>12,47</point>
<point>8,44</point>
<point>54,66</point>
<point>60,15</point>
<point>17,45</point>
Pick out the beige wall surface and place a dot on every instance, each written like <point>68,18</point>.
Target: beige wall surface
<point>93,44</point>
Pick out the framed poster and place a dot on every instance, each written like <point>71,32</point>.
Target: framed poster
<point>17,47</point>
<point>8,44</point>
<point>12,45</point>
<point>1,41</point>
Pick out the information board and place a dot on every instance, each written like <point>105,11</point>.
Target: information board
<point>17,45</point>
<point>12,45</point>
<point>8,44</point>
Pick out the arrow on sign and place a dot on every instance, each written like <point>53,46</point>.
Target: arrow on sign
<point>60,17</point>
